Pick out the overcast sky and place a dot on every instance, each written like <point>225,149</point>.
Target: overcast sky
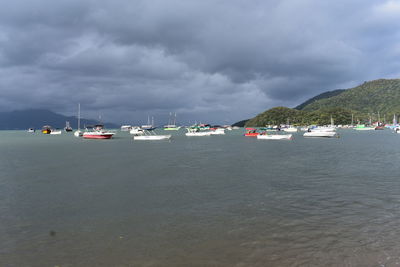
<point>207,60</point>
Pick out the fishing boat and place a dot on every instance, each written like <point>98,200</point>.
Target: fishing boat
<point>97,132</point>
<point>31,130</point>
<point>46,129</point>
<point>251,132</point>
<point>275,136</point>
<point>78,133</point>
<point>151,136</point>
<point>195,131</point>
<point>136,130</point>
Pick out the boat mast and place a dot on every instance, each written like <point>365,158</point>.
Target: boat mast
<point>79,116</point>
<point>352,119</point>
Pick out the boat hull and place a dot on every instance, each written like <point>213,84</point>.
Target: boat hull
<point>46,131</point>
<point>98,136</point>
<point>198,134</point>
<point>152,137</point>
<point>275,136</point>
<point>320,134</point>
<point>251,134</point>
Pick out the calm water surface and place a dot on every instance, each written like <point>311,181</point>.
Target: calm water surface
<point>200,201</point>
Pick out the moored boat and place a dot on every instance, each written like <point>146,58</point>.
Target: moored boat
<point>97,132</point>
<point>55,131</point>
<point>275,136</point>
<point>362,127</point>
<point>67,127</point>
<point>195,131</point>
<point>31,130</point>
<point>46,129</point>
<point>319,134</point>
<point>251,132</point>
<point>151,136</point>
<point>136,130</point>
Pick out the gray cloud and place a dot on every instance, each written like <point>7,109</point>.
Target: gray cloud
<point>217,61</point>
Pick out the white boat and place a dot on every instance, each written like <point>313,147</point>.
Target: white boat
<point>275,136</point>
<point>97,132</point>
<point>55,131</point>
<point>290,130</point>
<point>196,132</point>
<point>136,130</point>
<point>31,130</point>
<point>324,129</point>
<point>78,133</point>
<point>151,136</point>
<point>319,134</point>
<point>126,128</point>
<point>219,131</point>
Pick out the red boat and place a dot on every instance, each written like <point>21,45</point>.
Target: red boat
<point>251,132</point>
<point>97,132</point>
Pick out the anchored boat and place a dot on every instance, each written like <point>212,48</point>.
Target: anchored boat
<point>251,132</point>
<point>151,136</point>
<point>97,132</point>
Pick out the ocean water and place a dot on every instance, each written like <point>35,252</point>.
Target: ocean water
<point>200,201</point>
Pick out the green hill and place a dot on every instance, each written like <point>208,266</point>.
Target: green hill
<point>371,97</point>
<point>319,97</point>
<point>375,99</point>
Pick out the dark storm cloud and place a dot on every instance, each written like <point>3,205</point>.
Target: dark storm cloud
<point>207,60</point>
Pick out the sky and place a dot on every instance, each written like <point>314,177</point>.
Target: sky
<point>215,61</point>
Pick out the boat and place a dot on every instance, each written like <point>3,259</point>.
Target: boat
<point>55,131</point>
<point>275,136</point>
<point>171,126</point>
<point>136,130</point>
<point>149,126</point>
<point>78,133</point>
<point>151,136</point>
<point>290,129</point>
<point>31,130</point>
<point>218,131</point>
<point>97,132</point>
<point>126,128</point>
<point>251,132</point>
<point>319,134</point>
<point>380,127</point>
<point>362,127</point>
<point>46,129</point>
<point>195,131</point>
<point>67,127</point>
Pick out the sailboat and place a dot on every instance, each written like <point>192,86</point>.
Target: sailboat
<point>171,127</point>
<point>79,133</point>
<point>67,127</point>
<point>149,126</point>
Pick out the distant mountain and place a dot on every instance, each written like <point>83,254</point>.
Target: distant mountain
<point>319,97</point>
<point>36,118</point>
<point>376,99</point>
<point>240,123</point>
<point>370,97</point>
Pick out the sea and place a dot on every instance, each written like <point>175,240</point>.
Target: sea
<point>200,201</point>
